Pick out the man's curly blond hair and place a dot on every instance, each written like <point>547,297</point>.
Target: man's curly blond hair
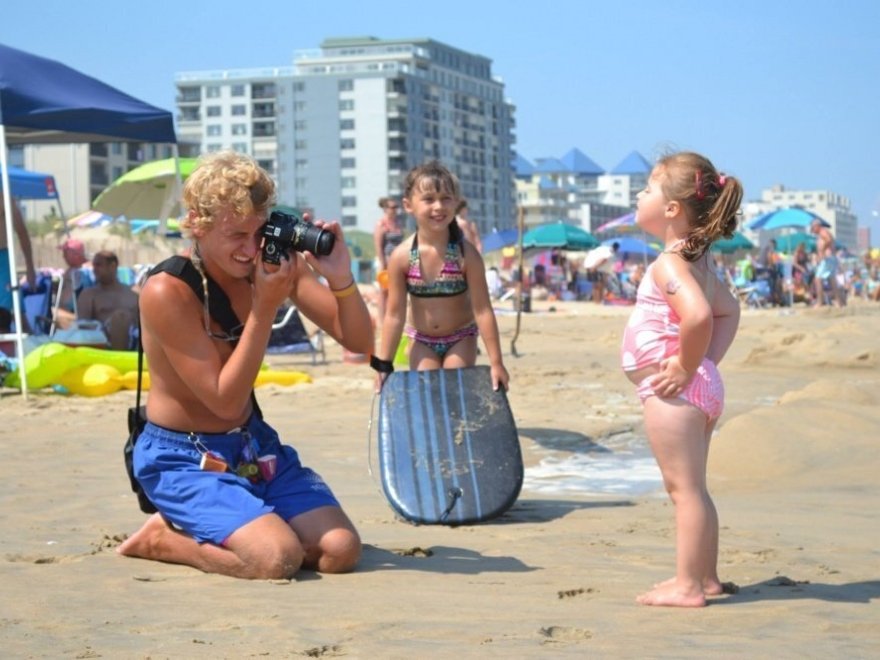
<point>225,181</point>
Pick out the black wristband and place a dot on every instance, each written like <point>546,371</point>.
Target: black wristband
<point>382,366</point>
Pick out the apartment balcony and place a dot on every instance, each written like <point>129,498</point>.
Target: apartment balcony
<point>98,150</point>
<point>189,96</point>
<point>263,91</point>
<point>263,129</point>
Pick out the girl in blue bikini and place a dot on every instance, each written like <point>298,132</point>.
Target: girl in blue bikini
<point>444,276</point>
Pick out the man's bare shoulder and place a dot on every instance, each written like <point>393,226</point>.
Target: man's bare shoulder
<point>166,291</point>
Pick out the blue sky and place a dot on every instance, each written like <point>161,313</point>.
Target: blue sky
<point>772,91</point>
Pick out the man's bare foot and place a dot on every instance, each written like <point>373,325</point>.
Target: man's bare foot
<point>710,587</point>
<point>141,543</point>
<point>671,595</point>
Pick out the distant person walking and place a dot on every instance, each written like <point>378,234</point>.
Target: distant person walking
<point>684,321</point>
<point>825,276</point>
<point>387,235</point>
<point>468,227</point>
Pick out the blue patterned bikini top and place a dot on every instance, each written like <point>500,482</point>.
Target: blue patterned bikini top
<point>451,280</point>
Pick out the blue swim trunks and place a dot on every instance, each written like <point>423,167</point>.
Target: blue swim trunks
<point>209,506</point>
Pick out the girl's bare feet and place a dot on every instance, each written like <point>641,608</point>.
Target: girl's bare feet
<point>710,587</point>
<point>672,595</point>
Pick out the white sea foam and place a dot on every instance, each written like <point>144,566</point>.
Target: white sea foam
<point>623,466</point>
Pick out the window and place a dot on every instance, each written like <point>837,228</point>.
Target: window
<point>346,85</point>
<point>301,163</point>
<point>239,110</point>
<point>349,221</point>
<point>239,129</point>
<point>346,124</point>
<point>300,144</point>
<point>190,94</point>
<point>347,163</point>
<point>212,111</point>
<point>348,202</point>
<point>299,87</point>
<point>300,125</point>
<point>347,182</point>
<point>346,104</point>
<point>236,90</point>
<point>214,148</point>
<point>268,165</point>
<point>212,92</point>
<point>116,148</point>
<point>299,106</point>
<point>240,147</point>
<point>213,130</point>
<point>346,143</point>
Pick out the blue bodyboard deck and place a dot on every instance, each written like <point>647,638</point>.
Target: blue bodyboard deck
<point>449,451</point>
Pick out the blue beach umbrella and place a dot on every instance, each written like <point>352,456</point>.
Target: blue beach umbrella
<point>632,246</point>
<point>787,218</point>
<point>500,239</point>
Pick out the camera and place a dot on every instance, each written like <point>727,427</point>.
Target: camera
<point>285,231</point>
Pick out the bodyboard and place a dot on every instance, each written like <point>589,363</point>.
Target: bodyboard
<point>449,451</point>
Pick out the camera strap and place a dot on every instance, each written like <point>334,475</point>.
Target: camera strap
<point>220,307</point>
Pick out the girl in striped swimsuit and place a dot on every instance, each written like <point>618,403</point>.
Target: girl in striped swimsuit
<point>682,325</point>
<point>444,278</point>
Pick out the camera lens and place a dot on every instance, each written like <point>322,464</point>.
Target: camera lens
<point>324,242</point>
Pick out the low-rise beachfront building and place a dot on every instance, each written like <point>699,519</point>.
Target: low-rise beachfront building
<point>81,171</point>
<point>575,189</point>
<point>341,127</point>
<point>830,206</point>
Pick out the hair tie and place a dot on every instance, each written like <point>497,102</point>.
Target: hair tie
<point>721,180</point>
<point>700,193</point>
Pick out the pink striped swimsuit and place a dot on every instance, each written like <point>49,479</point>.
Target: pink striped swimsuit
<point>652,335</point>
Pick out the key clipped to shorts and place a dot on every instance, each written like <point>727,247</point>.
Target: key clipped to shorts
<point>210,461</point>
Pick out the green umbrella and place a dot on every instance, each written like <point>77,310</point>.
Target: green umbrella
<point>559,235</point>
<point>729,245</point>
<point>144,191</point>
<point>360,244</point>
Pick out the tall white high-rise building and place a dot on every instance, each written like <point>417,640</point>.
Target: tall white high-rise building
<point>341,127</point>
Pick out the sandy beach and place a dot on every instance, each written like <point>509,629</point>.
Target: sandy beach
<point>793,469</point>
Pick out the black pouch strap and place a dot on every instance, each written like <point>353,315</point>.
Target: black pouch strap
<point>219,307</point>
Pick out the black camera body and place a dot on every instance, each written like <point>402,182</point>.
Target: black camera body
<point>285,231</point>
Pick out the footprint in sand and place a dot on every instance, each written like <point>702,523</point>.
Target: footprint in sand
<point>564,634</point>
<point>30,559</point>
<point>571,593</point>
<point>322,651</point>
<point>414,552</point>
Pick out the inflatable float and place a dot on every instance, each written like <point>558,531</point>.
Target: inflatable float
<point>98,372</point>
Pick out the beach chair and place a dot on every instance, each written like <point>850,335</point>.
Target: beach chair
<point>36,305</point>
<point>289,336</point>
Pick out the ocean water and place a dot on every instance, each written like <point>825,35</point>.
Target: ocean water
<point>621,464</point>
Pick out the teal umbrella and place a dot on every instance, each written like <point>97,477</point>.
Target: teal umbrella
<point>729,245</point>
<point>559,235</point>
<point>788,242</point>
